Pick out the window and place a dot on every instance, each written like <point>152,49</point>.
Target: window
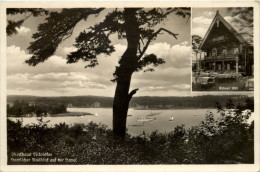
<point>229,51</point>
<point>224,51</point>
<point>221,38</point>
<point>236,50</point>
<point>214,52</point>
<point>228,67</point>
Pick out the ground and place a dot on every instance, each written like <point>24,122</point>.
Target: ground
<point>224,84</point>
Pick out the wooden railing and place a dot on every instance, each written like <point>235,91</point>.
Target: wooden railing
<point>223,56</point>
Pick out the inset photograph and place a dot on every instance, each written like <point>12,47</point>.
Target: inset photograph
<point>222,49</point>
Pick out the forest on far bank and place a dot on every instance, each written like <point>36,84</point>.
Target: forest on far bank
<point>205,101</point>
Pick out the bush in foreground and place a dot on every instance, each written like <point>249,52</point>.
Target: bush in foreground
<point>228,140</point>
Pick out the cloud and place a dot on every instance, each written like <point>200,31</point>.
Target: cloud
<point>180,55</point>
<point>182,86</point>
<point>185,43</point>
<point>15,51</point>
<point>16,57</point>
<point>152,88</point>
<point>170,78</point>
<point>177,56</point>
<point>56,69</point>
<point>167,90</point>
<point>68,50</point>
<point>209,13</point>
<point>60,76</point>
<point>51,81</point>
<point>201,24</point>
<point>201,20</point>
<point>23,30</point>
<point>231,20</point>
<point>201,31</point>
<point>55,77</point>
<point>83,84</point>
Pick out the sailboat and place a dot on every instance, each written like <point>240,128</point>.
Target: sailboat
<point>96,114</point>
<point>171,119</point>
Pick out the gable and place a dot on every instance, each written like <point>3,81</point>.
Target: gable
<point>218,28</point>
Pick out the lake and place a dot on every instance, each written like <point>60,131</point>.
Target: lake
<point>162,123</point>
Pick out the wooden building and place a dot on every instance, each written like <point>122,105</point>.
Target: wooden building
<point>226,49</point>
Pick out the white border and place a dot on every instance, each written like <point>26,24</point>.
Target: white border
<point>126,168</point>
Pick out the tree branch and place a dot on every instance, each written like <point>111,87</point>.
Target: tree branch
<point>130,95</point>
<point>27,17</point>
<point>58,27</point>
<point>153,36</point>
<point>142,40</point>
<point>139,48</point>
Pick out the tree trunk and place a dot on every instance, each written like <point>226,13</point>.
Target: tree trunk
<point>127,65</point>
<point>120,107</point>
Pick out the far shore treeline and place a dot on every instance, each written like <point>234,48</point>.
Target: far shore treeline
<point>146,102</point>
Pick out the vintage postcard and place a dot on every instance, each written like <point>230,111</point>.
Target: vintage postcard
<point>127,86</point>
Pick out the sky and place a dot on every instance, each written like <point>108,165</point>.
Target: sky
<point>56,78</point>
<point>202,18</point>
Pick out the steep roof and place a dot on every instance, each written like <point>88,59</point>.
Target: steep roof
<point>227,25</point>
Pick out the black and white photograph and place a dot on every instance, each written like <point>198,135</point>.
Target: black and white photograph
<point>128,86</point>
<point>222,49</point>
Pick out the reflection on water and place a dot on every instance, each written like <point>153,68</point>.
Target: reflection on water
<point>161,120</point>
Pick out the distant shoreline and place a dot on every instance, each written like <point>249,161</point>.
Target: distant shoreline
<point>148,108</point>
<point>58,115</point>
<point>67,114</point>
<point>172,108</point>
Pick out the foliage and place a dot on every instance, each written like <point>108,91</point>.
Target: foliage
<point>244,20</point>
<point>22,109</point>
<point>13,25</point>
<point>244,15</point>
<point>228,139</point>
<point>196,41</point>
<point>95,39</point>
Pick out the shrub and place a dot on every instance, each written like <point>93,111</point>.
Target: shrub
<point>227,139</point>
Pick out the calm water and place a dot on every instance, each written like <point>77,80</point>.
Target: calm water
<point>162,122</point>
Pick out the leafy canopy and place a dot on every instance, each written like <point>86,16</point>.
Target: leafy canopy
<point>95,40</point>
<point>196,41</point>
<point>244,20</point>
<point>13,25</point>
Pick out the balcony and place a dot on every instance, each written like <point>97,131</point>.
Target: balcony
<point>222,56</point>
